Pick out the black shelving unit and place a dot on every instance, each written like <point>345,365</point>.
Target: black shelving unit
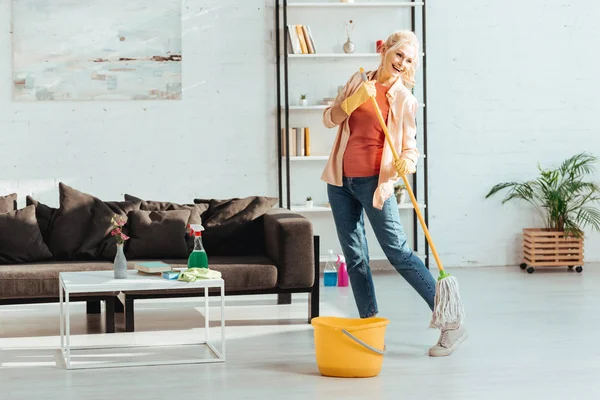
<point>283,116</point>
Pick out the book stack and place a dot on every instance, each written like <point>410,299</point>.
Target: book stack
<point>299,142</point>
<point>301,40</point>
<point>152,267</point>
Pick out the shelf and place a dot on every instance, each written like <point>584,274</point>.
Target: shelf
<point>307,108</point>
<point>308,158</point>
<point>314,107</point>
<point>334,55</point>
<point>405,206</point>
<point>338,4</point>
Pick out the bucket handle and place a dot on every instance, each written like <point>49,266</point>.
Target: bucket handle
<point>357,340</point>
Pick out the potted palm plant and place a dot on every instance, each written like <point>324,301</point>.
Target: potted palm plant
<point>564,200</point>
<point>400,193</point>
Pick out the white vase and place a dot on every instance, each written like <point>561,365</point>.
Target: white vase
<point>120,264</point>
<point>304,102</point>
<point>348,47</point>
<point>309,203</point>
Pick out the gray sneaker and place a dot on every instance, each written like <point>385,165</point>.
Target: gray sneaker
<point>449,341</point>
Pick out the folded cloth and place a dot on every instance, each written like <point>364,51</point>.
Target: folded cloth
<point>193,274</point>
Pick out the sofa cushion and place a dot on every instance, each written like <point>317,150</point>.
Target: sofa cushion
<point>234,226</point>
<point>44,215</point>
<point>157,234</point>
<point>20,237</point>
<point>8,203</point>
<point>196,211</point>
<point>81,226</point>
<point>41,279</point>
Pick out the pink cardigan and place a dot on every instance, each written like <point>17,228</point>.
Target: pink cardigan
<point>401,126</point>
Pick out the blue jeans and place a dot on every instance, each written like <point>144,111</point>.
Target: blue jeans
<point>347,203</point>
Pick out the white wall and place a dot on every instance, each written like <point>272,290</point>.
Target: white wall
<point>507,89</point>
<point>216,142</point>
<point>511,84</point>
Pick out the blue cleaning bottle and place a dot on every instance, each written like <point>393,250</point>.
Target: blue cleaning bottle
<point>330,272</point>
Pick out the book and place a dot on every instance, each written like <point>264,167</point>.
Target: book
<point>307,141</point>
<point>299,134</point>
<point>152,267</point>
<point>294,40</point>
<point>309,44</point>
<point>303,45</point>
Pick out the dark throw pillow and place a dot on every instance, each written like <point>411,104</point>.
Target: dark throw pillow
<point>81,226</point>
<point>20,238</point>
<point>44,215</point>
<point>157,234</point>
<point>235,226</point>
<point>196,211</point>
<point>8,203</point>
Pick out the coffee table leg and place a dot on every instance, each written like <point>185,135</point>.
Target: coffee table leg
<point>110,315</point>
<point>129,315</point>
<point>62,316</point>
<point>68,329</point>
<point>223,322</point>
<point>206,316</point>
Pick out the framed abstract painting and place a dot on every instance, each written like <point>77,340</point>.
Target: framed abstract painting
<point>74,50</point>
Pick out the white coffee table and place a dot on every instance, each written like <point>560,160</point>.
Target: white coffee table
<point>103,281</point>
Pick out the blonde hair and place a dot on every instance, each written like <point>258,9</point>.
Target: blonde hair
<point>397,40</point>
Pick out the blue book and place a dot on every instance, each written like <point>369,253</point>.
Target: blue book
<point>152,267</point>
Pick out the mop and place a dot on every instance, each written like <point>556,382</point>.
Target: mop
<point>448,309</point>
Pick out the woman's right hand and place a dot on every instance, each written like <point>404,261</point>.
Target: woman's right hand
<point>365,91</point>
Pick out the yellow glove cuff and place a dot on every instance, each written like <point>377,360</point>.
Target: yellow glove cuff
<point>351,103</point>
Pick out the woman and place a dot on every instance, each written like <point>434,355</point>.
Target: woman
<point>361,174</point>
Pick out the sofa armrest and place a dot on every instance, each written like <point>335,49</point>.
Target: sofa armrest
<point>289,242</point>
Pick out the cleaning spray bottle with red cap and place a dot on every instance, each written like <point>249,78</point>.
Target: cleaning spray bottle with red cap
<point>198,257</point>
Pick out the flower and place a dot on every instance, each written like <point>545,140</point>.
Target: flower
<point>118,222</point>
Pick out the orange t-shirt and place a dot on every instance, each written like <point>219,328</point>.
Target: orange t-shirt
<point>365,145</point>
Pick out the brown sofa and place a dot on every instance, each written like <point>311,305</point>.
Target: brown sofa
<point>258,248</point>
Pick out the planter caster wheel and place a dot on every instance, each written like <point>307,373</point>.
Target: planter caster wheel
<point>523,265</point>
<point>579,268</point>
<point>530,270</point>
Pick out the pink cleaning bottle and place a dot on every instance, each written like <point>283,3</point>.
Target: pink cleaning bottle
<point>342,271</point>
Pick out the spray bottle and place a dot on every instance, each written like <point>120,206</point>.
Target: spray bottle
<point>198,257</point>
<point>342,271</point>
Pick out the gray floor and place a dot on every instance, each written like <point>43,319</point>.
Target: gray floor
<point>530,336</point>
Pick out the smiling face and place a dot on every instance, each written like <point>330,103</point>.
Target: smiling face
<point>400,60</point>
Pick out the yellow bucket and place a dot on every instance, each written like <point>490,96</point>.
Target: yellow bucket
<point>349,347</point>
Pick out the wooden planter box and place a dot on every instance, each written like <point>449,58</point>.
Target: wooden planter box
<point>546,248</point>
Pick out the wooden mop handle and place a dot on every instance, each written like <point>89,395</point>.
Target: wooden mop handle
<point>408,188</point>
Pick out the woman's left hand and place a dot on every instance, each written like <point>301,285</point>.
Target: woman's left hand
<point>404,167</point>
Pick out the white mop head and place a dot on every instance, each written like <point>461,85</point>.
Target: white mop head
<point>448,309</point>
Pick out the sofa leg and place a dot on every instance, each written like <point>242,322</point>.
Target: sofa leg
<point>93,307</point>
<point>110,315</point>
<point>284,298</point>
<point>313,296</point>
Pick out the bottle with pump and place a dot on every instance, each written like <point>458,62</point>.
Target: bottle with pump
<point>198,257</point>
<point>330,272</point>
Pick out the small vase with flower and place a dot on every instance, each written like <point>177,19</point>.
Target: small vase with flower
<point>120,263</point>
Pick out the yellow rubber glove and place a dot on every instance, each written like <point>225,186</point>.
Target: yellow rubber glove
<point>364,92</point>
<point>404,167</point>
